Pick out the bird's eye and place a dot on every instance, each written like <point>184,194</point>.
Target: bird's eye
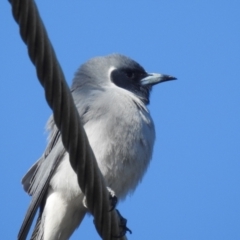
<point>130,74</point>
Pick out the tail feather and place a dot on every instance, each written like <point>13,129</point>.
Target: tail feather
<point>37,232</point>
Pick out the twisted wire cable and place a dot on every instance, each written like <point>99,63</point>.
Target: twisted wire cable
<point>66,117</point>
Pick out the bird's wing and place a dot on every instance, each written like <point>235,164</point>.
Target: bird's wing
<point>36,183</point>
<point>29,179</point>
<point>36,180</point>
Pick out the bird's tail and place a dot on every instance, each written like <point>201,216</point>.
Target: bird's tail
<point>37,233</point>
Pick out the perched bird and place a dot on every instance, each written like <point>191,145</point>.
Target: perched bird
<point>111,94</point>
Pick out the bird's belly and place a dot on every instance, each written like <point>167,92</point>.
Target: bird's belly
<point>65,181</point>
<point>123,155</point>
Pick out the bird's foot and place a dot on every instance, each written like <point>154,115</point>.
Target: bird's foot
<point>112,198</point>
<point>122,226</point>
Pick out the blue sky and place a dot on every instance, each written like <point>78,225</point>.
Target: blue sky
<point>191,189</point>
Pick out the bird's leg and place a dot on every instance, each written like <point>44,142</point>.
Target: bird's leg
<point>122,221</point>
<point>112,198</point>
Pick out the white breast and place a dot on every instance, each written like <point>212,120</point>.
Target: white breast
<point>121,134</point>
<point>122,137</point>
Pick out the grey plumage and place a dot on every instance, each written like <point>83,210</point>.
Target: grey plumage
<point>111,94</point>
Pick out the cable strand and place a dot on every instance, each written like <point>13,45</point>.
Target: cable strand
<point>66,116</point>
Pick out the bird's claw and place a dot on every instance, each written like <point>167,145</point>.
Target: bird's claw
<point>123,226</point>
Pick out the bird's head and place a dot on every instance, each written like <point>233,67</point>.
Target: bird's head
<point>117,70</point>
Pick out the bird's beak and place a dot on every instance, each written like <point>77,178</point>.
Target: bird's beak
<point>155,78</point>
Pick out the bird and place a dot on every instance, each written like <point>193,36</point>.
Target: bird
<point>111,94</point>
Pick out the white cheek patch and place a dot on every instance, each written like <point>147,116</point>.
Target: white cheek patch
<point>112,68</point>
